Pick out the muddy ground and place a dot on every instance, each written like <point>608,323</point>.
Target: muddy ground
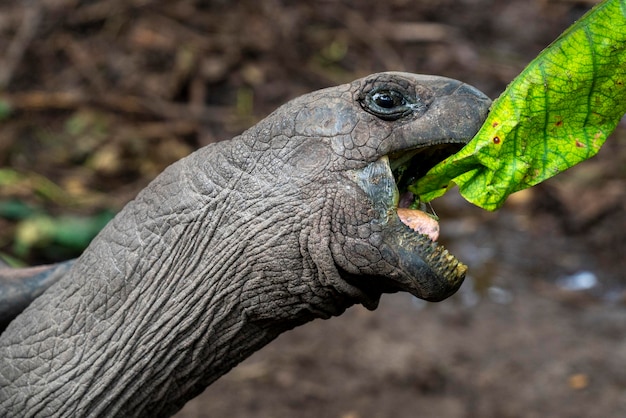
<point>97,97</point>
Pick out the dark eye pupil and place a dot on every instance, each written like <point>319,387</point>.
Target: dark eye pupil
<point>387,100</point>
<point>389,103</point>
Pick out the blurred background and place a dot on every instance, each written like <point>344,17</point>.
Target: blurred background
<point>98,96</point>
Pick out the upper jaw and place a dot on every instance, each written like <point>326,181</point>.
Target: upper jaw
<point>454,116</point>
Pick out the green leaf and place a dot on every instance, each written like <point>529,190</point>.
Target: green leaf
<point>15,209</point>
<point>555,114</point>
<point>5,109</point>
<point>64,232</point>
<point>7,260</point>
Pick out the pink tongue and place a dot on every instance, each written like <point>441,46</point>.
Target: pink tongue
<point>419,222</point>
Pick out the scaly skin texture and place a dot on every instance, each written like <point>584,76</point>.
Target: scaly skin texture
<point>233,245</point>
<point>19,287</point>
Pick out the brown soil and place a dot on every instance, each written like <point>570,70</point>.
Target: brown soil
<point>106,93</point>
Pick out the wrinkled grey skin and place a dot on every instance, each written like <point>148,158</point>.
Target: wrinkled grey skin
<point>233,245</point>
<point>19,287</point>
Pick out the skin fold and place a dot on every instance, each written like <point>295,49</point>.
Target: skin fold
<point>19,287</point>
<point>242,240</point>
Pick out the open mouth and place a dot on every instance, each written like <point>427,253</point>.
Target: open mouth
<point>407,167</point>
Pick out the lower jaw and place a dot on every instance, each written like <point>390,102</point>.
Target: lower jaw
<point>423,267</point>
<point>436,273</point>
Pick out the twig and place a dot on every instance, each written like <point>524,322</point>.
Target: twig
<point>26,32</point>
<point>150,107</point>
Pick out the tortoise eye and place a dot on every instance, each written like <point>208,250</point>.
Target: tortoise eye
<point>388,99</point>
<point>389,104</point>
